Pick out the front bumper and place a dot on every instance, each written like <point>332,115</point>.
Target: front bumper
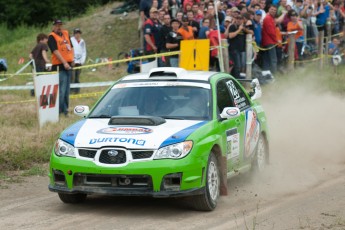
<point>156,178</point>
<point>121,192</point>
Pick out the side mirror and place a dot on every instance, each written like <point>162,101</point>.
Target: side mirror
<point>81,110</point>
<point>257,93</point>
<point>230,112</point>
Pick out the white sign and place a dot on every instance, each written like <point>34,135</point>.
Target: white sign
<point>47,96</point>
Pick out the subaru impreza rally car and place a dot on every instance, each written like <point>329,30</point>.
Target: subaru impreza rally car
<point>166,133</point>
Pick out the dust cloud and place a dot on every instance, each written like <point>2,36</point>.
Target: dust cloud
<point>307,136</point>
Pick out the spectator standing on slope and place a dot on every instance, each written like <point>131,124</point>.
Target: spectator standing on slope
<point>79,47</point>
<point>61,47</point>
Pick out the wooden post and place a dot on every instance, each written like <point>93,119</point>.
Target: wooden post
<point>225,55</point>
<point>249,52</point>
<point>291,50</point>
<point>328,39</point>
<point>321,37</point>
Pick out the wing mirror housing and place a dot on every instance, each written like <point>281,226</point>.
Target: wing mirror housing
<point>230,112</point>
<point>81,110</point>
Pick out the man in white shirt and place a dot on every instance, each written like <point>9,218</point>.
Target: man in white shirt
<point>79,56</point>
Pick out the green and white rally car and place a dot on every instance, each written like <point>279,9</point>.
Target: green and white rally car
<point>166,133</point>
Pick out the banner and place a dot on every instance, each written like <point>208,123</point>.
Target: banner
<point>47,97</point>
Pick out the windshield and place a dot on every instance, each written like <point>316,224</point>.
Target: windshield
<point>170,102</point>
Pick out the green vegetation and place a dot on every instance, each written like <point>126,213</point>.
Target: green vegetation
<point>24,146</point>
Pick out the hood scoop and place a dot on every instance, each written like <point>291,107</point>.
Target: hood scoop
<point>144,120</point>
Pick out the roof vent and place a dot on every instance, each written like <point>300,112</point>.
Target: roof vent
<point>167,72</point>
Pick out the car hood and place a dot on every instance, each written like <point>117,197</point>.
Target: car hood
<point>96,133</point>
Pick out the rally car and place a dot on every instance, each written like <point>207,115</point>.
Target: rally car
<point>166,133</point>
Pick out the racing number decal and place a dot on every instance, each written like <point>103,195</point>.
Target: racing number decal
<point>232,143</point>
<point>252,132</point>
<point>239,101</point>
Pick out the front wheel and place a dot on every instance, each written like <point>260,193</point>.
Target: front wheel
<point>72,198</point>
<point>208,200</point>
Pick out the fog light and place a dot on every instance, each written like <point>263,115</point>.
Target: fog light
<point>69,172</point>
<point>172,182</point>
<point>59,178</point>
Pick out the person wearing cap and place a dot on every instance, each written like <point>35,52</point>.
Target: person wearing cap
<point>257,26</point>
<point>79,47</point>
<point>173,42</point>
<point>61,47</point>
<point>295,25</point>
<point>185,30</point>
<point>151,33</point>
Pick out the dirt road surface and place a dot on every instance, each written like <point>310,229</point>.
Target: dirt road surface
<point>303,187</point>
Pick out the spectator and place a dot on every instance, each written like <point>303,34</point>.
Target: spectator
<point>179,16</point>
<point>269,40</point>
<point>62,59</point>
<point>173,41</point>
<point>296,25</point>
<point>193,24</point>
<point>333,47</point>
<point>322,14</point>
<point>161,14</point>
<point>166,28</point>
<point>151,31</point>
<point>237,45</point>
<point>205,29</point>
<point>210,14</point>
<point>79,47</point>
<point>39,53</point>
<point>165,7</point>
<point>214,41</point>
<point>257,26</point>
<point>144,9</point>
<point>186,31</point>
<point>282,7</point>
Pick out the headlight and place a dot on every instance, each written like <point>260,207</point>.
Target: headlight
<point>174,151</point>
<point>63,149</point>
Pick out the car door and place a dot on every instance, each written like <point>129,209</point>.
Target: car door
<point>249,126</point>
<point>232,130</point>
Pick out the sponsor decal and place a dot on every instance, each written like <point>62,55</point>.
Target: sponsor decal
<point>125,130</point>
<point>48,96</point>
<point>252,132</point>
<point>233,143</point>
<point>79,109</point>
<point>117,140</point>
<point>232,112</point>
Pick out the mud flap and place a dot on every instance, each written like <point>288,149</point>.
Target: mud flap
<point>223,176</point>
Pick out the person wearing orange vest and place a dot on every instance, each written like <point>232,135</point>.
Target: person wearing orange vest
<point>61,47</point>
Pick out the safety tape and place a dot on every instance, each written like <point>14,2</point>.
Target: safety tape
<point>76,96</point>
<point>74,85</point>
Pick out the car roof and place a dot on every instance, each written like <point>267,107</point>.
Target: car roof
<point>171,73</point>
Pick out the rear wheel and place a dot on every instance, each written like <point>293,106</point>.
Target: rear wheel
<point>208,200</point>
<point>261,156</point>
<point>72,198</point>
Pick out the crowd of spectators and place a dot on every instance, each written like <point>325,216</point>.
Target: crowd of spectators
<point>165,23</point>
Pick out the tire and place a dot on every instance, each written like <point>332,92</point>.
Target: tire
<point>72,198</point>
<point>208,200</point>
<point>260,160</point>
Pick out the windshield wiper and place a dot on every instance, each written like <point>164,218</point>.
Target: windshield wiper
<point>100,116</point>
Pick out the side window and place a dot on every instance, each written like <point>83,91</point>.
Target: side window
<point>223,96</point>
<point>240,99</point>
